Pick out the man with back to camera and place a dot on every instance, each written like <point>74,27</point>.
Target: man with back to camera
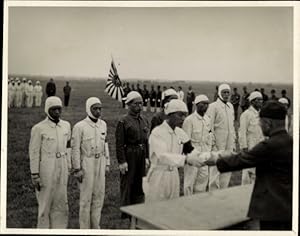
<point>271,200</point>
<point>50,164</point>
<point>67,93</point>
<point>250,132</point>
<point>235,101</point>
<point>51,88</point>
<point>152,98</point>
<point>190,97</point>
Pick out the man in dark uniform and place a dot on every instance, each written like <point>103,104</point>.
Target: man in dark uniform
<point>126,91</point>
<point>283,95</point>
<point>50,88</point>
<point>145,95</point>
<point>265,96</point>
<point>273,95</point>
<point>152,98</point>
<point>67,92</point>
<point>138,89</point>
<point>132,151</point>
<point>235,101</point>
<point>245,102</point>
<point>271,201</point>
<point>158,99</point>
<point>190,97</point>
<point>159,117</point>
<point>133,88</point>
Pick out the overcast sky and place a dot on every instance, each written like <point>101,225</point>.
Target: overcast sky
<point>219,44</point>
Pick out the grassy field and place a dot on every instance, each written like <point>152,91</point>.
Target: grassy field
<point>21,201</point>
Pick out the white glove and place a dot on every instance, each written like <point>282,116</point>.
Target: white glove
<point>197,158</point>
<point>123,168</point>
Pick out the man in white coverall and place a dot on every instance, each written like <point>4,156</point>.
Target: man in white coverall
<point>29,94</point>
<point>221,114</point>
<point>197,127</point>
<point>50,163</point>
<point>90,160</point>
<point>18,95</point>
<point>169,150</point>
<point>11,93</point>
<point>38,93</point>
<point>250,132</point>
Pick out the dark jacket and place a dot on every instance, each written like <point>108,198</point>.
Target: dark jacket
<point>272,194</point>
<point>50,89</point>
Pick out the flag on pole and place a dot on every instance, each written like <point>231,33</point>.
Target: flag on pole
<point>114,85</point>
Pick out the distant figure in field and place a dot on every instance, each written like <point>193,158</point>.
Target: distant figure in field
<point>127,90</point>
<point>38,93</point>
<point>152,98</point>
<point>273,95</point>
<point>265,96</point>
<point>19,94</point>
<point>51,88</point>
<point>235,101</point>
<point>67,93</point>
<point>216,93</point>
<point>283,95</point>
<point>138,89</point>
<point>163,95</point>
<point>289,116</point>
<point>23,88</point>
<point>245,102</point>
<point>190,97</point>
<point>29,94</point>
<point>158,99</point>
<point>145,95</point>
<point>133,88</point>
<point>11,93</point>
<point>180,93</point>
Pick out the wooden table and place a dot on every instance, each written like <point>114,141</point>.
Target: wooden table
<point>205,211</point>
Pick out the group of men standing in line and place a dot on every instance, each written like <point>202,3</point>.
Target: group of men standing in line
<point>23,93</point>
<point>150,153</point>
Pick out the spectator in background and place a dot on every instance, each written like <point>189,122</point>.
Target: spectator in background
<point>29,94</point>
<point>288,117</point>
<point>163,95</point>
<point>11,93</point>
<point>126,91</point>
<point>67,93</point>
<point>24,86</point>
<point>19,94</point>
<point>235,101</point>
<point>216,94</point>
<point>38,93</point>
<point>283,95</point>
<point>152,98</point>
<point>145,95</point>
<point>265,96</point>
<point>245,101</point>
<point>158,99</point>
<point>132,87</point>
<point>180,93</point>
<point>51,88</point>
<point>138,89</point>
<point>190,97</point>
<point>273,95</point>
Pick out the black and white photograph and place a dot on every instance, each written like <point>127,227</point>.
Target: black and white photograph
<point>174,117</point>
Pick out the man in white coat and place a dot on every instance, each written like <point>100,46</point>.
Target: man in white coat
<point>50,163</point>
<point>197,127</point>
<point>250,132</point>
<point>90,160</point>
<point>29,94</point>
<point>19,93</point>
<point>11,93</point>
<point>221,114</point>
<point>38,93</point>
<point>170,149</point>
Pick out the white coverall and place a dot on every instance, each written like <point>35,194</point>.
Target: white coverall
<point>90,154</point>
<point>29,95</point>
<point>38,93</point>
<point>165,144</point>
<point>198,130</point>
<point>222,126</point>
<point>180,95</point>
<point>19,94</point>
<point>11,95</point>
<point>250,134</point>
<point>50,158</point>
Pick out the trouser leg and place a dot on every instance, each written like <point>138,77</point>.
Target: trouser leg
<point>224,179</point>
<point>190,173</point>
<point>214,181</point>
<point>201,180</point>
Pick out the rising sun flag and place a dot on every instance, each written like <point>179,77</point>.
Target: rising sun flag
<point>114,85</point>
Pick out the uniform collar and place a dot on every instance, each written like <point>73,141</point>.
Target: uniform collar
<point>251,108</point>
<point>52,124</point>
<point>91,123</point>
<point>198,116</point>
<point>221,103</point>
<point>135,116</point>
<point>167,126</point>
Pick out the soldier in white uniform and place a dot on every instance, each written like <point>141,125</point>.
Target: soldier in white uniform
<point>38,93</point>
<point>29,94</point>
<point>288,117</point>
<point>18,95</point>
<point>11,93</point>
<point>50,163</point>
<point>90,160</point>
<point>167,153</point>
<point>197,127</point>
<point>250,132</point>
<point>221,114</point>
